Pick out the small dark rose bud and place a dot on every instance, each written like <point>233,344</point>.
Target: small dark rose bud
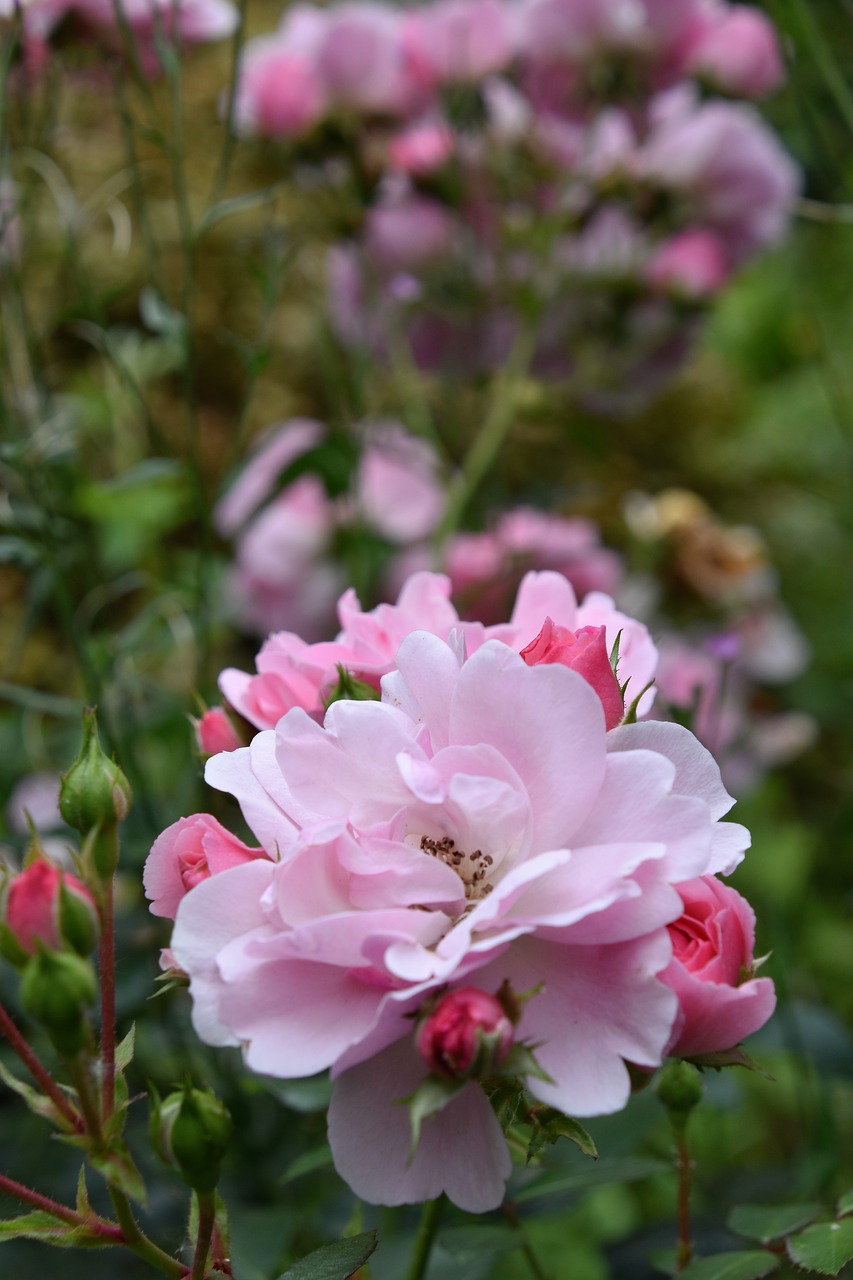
<point>466,1035</point>
<point>49,907</point>
<point>680,1090</point>
<point>191,1129</point>
<point>56,990</point>
<point>94,793</point>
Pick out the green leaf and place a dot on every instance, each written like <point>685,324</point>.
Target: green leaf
<point>474,1242</point>
<point>238,204</point>
<point>36,1101</point>
<point>83,1204</point>
<point>50,1230</point>
<point>617,1169</point>
<point>550,1125</point>
<point>430,1097</point>
<point>824,1248</point>
<point>731,1266</point>
<point>124,1050</point>
<point>845,1204</point>
<point>308,1162</point>
<point>766,1223</point>
<point>334,1261</point>
<point>736,1057</point>
<point>116,1166</point>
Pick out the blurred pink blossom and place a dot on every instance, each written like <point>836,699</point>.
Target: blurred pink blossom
<point>691,264</point>
<point>738,52</point>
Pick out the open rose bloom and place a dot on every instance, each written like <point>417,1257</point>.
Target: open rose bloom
<point>479,825</point>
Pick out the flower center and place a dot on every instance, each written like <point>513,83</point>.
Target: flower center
<point>472,868</point>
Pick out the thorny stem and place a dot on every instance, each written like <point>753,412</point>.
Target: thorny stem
<point>40,1074</point>
<point>107,967</point>
<point>206,1221</point>
<point>96,1226</point>
<point>684,1166</point>
<point>424,1239</point>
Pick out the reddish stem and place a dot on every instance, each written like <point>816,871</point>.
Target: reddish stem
<point>96,1226</point>
<point>40,1074</point>
<point>107,965</point>
<point>685,1166</point>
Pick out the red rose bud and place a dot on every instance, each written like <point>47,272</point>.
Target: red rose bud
<point>94,793</point>
<point>47,906</point>
<point>584,651</point>
<point>215,733</point>
<point>466,1035</point>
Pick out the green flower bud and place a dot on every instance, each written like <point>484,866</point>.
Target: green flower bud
<point>191,1129</point>
<point>350,689</point>
<point>94,793</point>
<point>56,990</point>
<point>680,1090</point>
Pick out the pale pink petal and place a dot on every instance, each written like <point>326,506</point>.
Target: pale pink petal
<point>462,1151</point>
<point>523,711</point>
<point>599,1007</point>
<point>217,911</point>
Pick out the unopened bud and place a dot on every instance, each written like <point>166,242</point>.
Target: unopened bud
<point>48,907</point>
<point>94,793</point>
<point>214,732</point>
<point>680,1090</point>
<point>466,1035</point>
<point>191,1129</point>
<point>57,989</point>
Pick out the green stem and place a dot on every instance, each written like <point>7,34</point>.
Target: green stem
<point>206,1221</point>
<point>39,1073</point>
<point>492,435</point>
<point>511,1214</point>
<point>81,1078</point>
<point>136,1240</point>
<point>229,138</point>
<point>424,1239</point>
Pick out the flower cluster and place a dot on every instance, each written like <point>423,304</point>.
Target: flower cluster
<point>475,827</point>
<point>556,159</point>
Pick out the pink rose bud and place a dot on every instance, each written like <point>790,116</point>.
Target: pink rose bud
<point>215,733</point>
<point>712,962</point>
<point>691,265</point>
<point>739,53</point>
<point>48,907</point>
<point>583,651</point>
<point>467,1034</point>
<point>187,852</point>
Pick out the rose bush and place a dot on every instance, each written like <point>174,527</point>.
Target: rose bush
<point>478,825</point>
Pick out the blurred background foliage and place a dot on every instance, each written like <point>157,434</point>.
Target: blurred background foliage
<point>147,356</point>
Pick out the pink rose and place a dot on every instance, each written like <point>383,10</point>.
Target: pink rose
<point>584,651</point>
<point>712,958</point>
<point>189,851</point>
<point>47,906</point>
<point>467,1031</point>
